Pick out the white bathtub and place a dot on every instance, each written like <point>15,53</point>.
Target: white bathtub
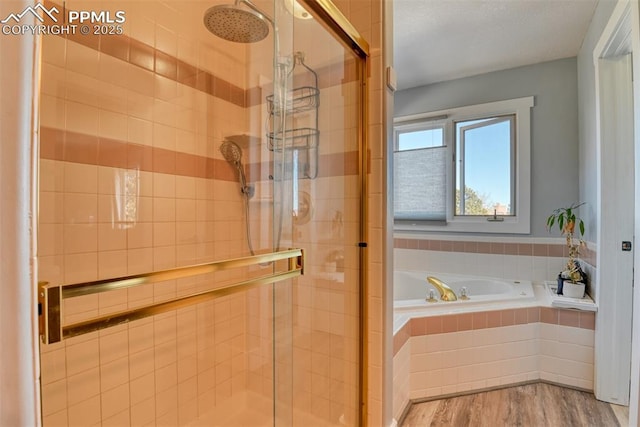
<point>411,290</point>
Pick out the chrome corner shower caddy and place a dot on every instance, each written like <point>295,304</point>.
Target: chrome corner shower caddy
<point>293,125</point>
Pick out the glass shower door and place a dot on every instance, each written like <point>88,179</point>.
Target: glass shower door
<point>135,187</point>
<point>315,137</point>
<point>168,156</point>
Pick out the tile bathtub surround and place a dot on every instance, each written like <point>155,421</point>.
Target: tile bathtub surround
<point>401,381</point>
<point>471,351</point>
<point>401,337</point>
<point>589,255</point>
<point>434,325</point>
<point>494,248</point>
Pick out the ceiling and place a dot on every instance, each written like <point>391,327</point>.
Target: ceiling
<point>440,40</point>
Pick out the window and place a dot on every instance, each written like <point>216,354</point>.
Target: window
<point>485,155</point>
<point>420,159</point>
<point>464,169</point>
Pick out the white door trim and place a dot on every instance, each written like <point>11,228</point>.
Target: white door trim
<point>19,355</point>
<point>614,211</point>
<point>634,403</point>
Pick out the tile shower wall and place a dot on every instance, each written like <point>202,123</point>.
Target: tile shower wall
<point>175,189</point>
<point>131,181</point>
<point>147,96</point>
<point>457,353</point>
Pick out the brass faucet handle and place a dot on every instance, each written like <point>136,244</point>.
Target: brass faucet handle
<point>432,296</point>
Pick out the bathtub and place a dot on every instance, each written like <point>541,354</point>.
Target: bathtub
<point>411,290</point>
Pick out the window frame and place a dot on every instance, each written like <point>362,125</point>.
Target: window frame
<point>520,221</point>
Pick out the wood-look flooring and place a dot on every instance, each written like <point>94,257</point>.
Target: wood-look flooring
<point>530,405</point>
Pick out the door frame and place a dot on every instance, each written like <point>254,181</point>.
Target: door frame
<point>620,36</point>
<point>19,354</point>
<point>634,404</point>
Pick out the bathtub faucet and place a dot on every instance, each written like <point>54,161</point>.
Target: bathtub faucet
<point>446,293</point>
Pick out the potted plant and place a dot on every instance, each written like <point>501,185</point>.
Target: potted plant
<point>571,280</point>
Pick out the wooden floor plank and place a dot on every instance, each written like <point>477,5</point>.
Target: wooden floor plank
<point>622,414</point>
<point>422,417</point>
<point>530,405</point>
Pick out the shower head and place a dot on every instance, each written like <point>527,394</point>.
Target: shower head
<point>234,23</point>
<point>232,153</point>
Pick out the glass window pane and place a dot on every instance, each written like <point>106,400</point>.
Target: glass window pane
<point>484,167</point>
<point>424,138</point>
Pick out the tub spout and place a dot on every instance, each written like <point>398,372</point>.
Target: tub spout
<point>446,293</point>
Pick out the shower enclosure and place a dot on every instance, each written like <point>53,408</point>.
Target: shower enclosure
<point>201,225</point>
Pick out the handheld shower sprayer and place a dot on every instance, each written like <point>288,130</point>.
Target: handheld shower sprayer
<point>233,154</point>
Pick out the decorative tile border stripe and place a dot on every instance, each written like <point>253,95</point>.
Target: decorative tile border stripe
<point>401,337</point>
<point>491,319</point>
<point>57,144</point>
<point>498,248</point>
<point>335,164</point>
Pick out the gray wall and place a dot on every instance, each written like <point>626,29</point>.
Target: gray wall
<point>554,123</point>
<point>587,116</point>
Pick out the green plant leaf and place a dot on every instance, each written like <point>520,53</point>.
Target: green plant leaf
<point>564,216</point>
<point>550,221</point>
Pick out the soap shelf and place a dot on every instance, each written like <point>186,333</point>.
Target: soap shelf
<point>301,99</point>
<point>559,301</point>
<point>294,139</point>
